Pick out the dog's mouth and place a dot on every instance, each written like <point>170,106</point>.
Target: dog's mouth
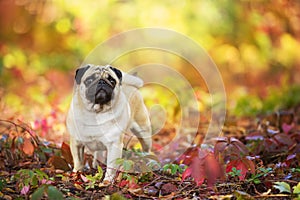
<point>102,96</point>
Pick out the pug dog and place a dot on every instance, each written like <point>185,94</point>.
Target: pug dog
<point>106,104</point>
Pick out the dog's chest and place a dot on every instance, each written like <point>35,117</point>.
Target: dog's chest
<point>103,127</point>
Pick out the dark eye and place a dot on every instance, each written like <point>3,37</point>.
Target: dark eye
<point>112,81</point>
<point>88,81</point>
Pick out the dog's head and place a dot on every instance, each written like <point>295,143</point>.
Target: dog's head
<point>98,85</point>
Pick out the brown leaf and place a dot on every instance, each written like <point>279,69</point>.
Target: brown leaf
<point>59,163</point>
<point>28,147</point>
<point>66,153</point>
<point>168,189</point>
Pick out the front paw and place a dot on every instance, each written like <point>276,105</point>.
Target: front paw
<point>78,168</point>
<point>105,183</point>
<point>108,178</point>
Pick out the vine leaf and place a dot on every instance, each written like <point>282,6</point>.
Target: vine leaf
<point>202,165</point>
<point>244,165</point>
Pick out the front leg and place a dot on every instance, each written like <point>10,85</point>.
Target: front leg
<point>77,151</point>
<point>114,151</point>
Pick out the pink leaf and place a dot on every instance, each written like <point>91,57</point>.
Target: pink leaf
<point>286,127</point>
<point>25,190</point>
<point>84,178</point>
<point>45,181</point>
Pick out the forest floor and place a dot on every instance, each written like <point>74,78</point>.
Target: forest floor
<point>255,158</point>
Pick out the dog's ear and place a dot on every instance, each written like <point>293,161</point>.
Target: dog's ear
<point>117,72</point>
<point>80,72</point>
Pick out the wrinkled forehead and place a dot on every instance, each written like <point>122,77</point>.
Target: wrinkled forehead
<point>101,71</point>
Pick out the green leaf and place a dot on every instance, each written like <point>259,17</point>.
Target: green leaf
<point>2,184</point>
<point>282,187</point>
<point>240,195</point>
<point>256,181</point>
<point>120,161</point>
<point>100,173</point>
<point>90,177</point>
<point>34,181</point>
<point>174,169</point>
<point>128,164</point>
<point>38,193</point>
<point>54,194</point>
<point>296,189</point>
<point>117,196</point>
<point>41,175</point>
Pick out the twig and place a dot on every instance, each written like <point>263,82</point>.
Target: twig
<point>36,141</point>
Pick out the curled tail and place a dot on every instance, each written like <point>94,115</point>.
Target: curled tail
<point>132,80</point>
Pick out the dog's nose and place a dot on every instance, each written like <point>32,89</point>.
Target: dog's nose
<point>101,82</point>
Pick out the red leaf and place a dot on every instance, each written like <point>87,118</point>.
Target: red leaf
<point>187,172</point>
<point>204,166</point>
<point>157,147</point>
<point>189,155</point>
<point>28,147</point>
<point>287,127</point>
<point>213,169</point>
<point>123,183</point>
<point>244,165</point>
<point>198,172</point>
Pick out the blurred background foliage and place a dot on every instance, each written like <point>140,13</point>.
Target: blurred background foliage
<point>255,44</point>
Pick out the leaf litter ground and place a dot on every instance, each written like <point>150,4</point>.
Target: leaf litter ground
<point>254,158</point>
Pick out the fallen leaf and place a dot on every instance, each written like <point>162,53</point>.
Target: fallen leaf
<point>282,187</point>
<point>168,188</point>
<point>28,147</point>
<point>45,181</point>
<point>66,153</point>
<point>242,195</point>
<point>25,189</point>
<point>152,191</point>
<point>287,127</point>
<point>296,189</point>
<point>59,163</point>
<point>84,178</point>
